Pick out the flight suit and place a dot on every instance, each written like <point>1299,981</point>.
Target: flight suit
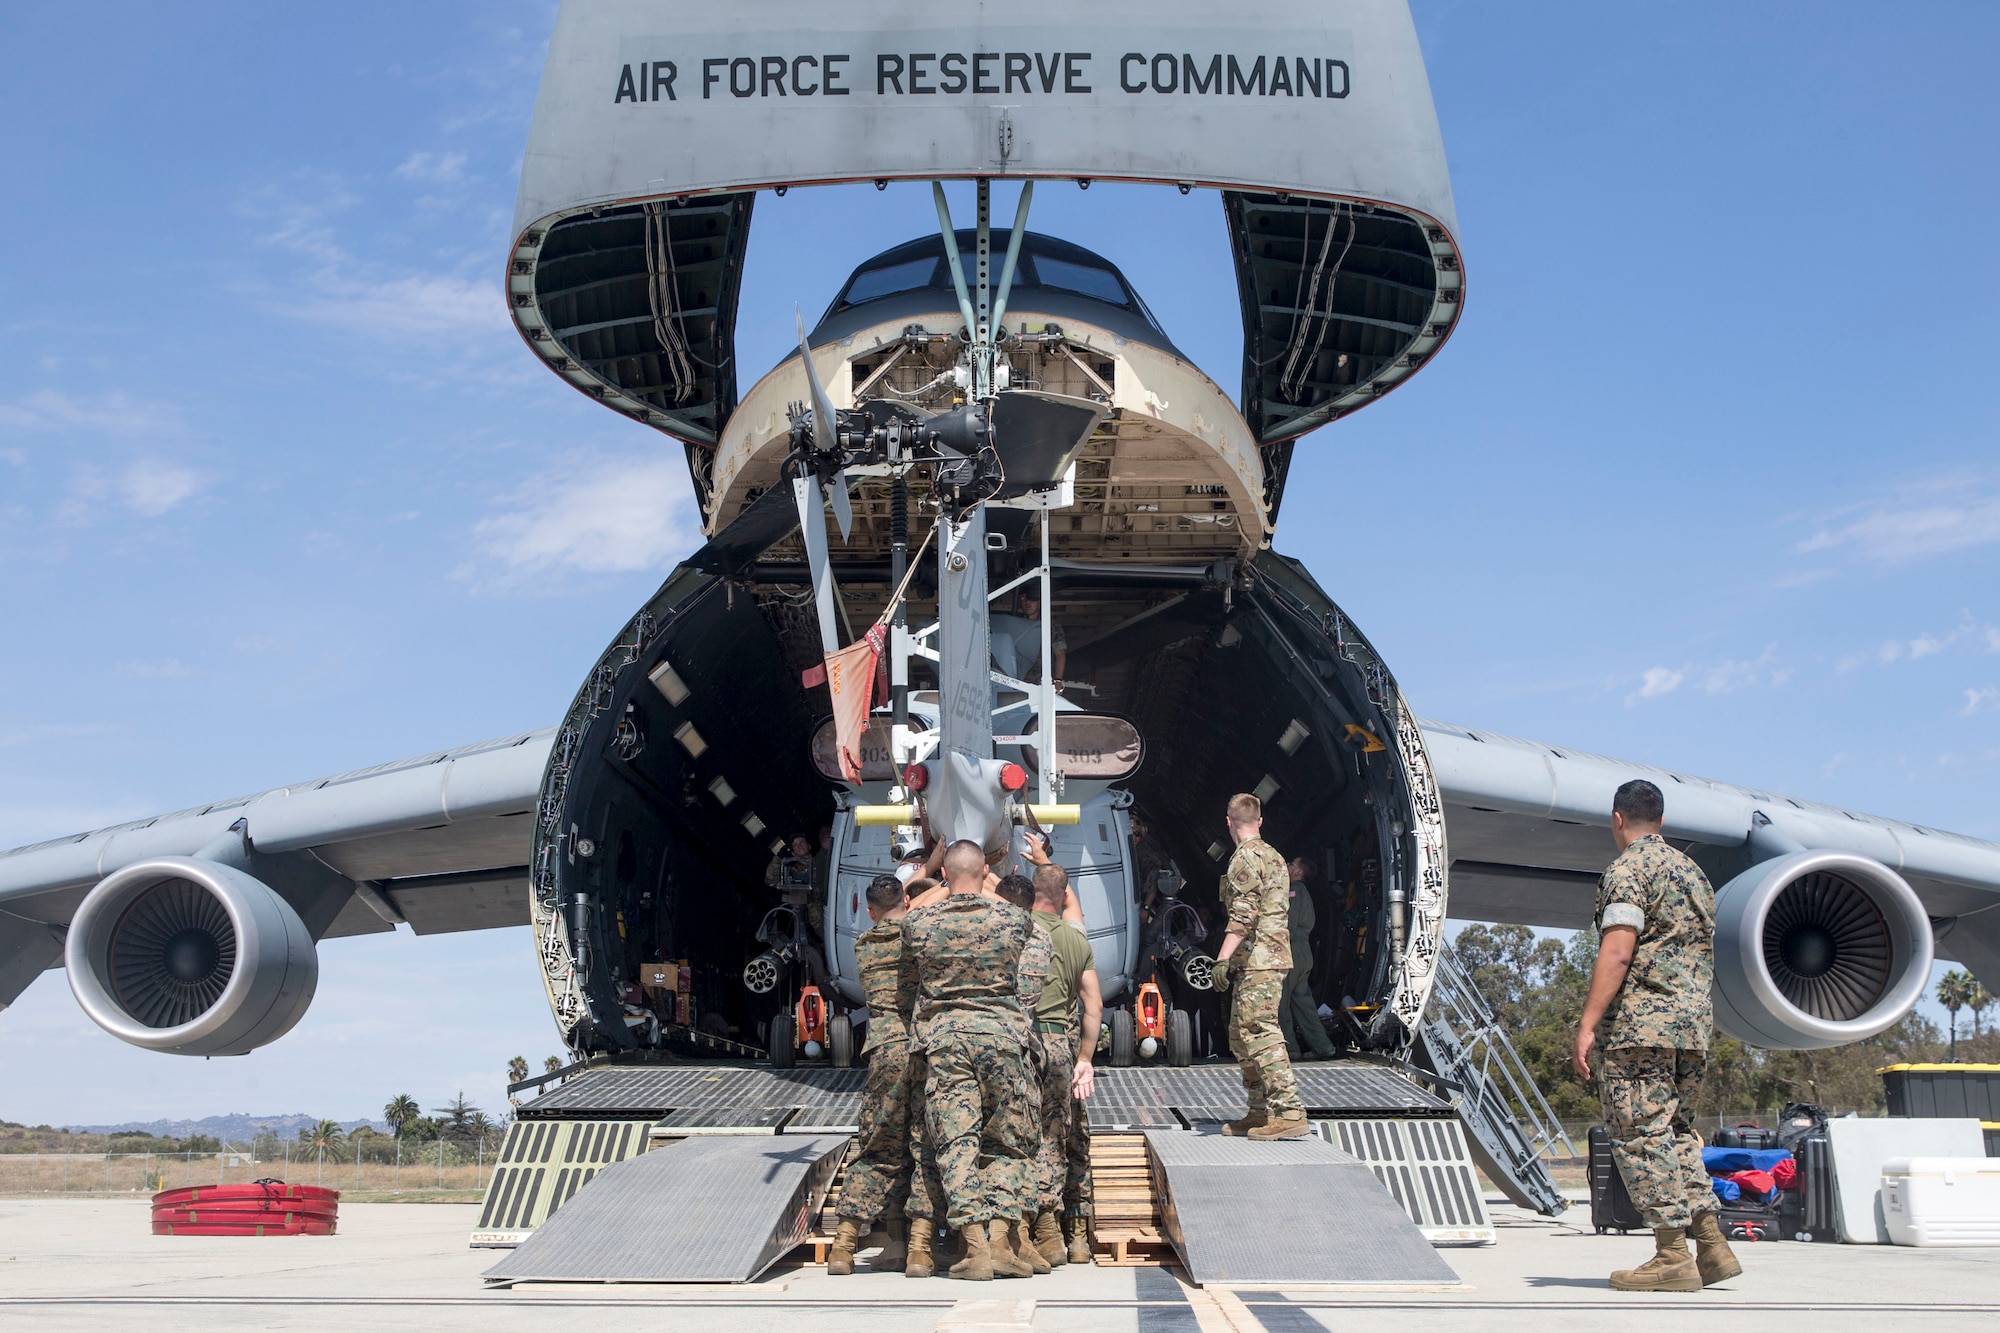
<point>1298,1016</point>
<point>1256,893</point>
<point>1062,1168</point>
<point>976,1150</point>
<point>878,1176</point>
<point>1654,1039</point>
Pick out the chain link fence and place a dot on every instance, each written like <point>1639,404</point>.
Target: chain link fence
<point>386,1169</point>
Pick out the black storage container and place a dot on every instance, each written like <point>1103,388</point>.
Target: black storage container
<point>1808,1209</point>
<point>1752,1221</point>
<point>1610,1206</point>
<point>1745,1135</point>
<point>1948,1092</point>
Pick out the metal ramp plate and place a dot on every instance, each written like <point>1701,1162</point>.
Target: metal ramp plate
<point>720,1209</point>
<point>542,1164</point>
<point>1295,1211</point>
<point>1167,1098</point>
<point>1426,1165</point>
<point>711,1096</point>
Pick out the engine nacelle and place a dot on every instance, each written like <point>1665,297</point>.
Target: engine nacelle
<point>1817,949</point>
<point>182,955</point>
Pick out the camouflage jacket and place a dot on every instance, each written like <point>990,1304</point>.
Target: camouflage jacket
<point>1658,891</point>
<point>1257,895</point>
<point>1036,955</point>
<point>967,951</point>
<point>888,982</point>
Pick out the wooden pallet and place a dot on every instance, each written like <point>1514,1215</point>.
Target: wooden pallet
<point>1127,1232</point>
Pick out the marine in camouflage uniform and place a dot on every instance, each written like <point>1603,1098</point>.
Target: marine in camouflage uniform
<point>1062,1168</point>
<point>977,1150</point>
<point>1256,895</point>
<point>1654,1037</point>
<point>878,1176</point>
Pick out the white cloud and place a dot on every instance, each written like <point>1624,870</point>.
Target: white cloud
<point>151,486</point>
<point>1979,700</point>
<point>437,168</point>
<point>596,514</point>
<point>113,413</point>
<point>434,304</point>
<point>1891,651</point>
<point>1731,676</point>
<point>1655,682</point>
<point>1933,519</point>
<point>1993,639</point>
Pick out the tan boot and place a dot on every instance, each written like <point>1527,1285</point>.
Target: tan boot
<point>1239,1128</point>
<point>1007,1261</point>
<point>1283,1127</point>
<point>840,1259</point>
<point>977,1265</point>
<point>895,1255</point>
<point>918,1263</point>
<point>1079,1240</point>
<point>1025,1248</point>
<point>1671,1268</point>
<point>1712,1255</point>
<point>1048,1239</point>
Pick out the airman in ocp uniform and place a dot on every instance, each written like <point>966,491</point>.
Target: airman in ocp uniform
<point>1650,990</point>
<point>1255,956</point>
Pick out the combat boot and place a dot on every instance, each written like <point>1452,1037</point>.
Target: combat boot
<point>1024,1247</point>
<point>1079,1240</point>
<point>1239,1128</point>
<point>1284,1127</point>
<point>918,1263</point>
<point>1671,1268</point>
<point>1048,1239</point>
<point>893,1256</point>
<point>1712,1255</point>
<point>840,1259</point>
<point>977,1265</point>
<point>1006,1260</point>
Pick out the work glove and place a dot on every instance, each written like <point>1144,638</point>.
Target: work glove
<point>1218,980</point>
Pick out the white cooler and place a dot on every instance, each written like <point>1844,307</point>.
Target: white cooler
<point>1941,1202</point>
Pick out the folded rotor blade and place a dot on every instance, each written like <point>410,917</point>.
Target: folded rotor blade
<point>812,527</point>
<point>843,512</point>
<point>825,439</point>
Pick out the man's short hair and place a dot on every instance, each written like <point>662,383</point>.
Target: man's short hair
<point>1245,808</point>
<point>964,859</point>
<point>1640,802</point>
<point>920,886</point>
<point>1306,866</point>
<point>1018,890</point>
<point>885,893</point>
<point>1050,882</point>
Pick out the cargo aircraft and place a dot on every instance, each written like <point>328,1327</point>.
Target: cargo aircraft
<point>982,412</point>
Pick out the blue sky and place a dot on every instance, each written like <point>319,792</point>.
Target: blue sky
<point>1706,478</point>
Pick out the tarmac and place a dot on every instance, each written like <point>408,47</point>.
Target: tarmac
<point>88,1264</point>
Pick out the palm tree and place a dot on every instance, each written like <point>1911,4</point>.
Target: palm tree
<point>552,1064</point>
<point>1977,1001</point>
<point>325,1138</point>
<point>517,1069</point>
<point>1954,990</point>
<point>400,1111</point>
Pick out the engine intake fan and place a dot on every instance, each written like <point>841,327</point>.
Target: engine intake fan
<point>1817,949</point>
<point>189,956</point>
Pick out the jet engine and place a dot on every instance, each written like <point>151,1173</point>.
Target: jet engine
<point>1817,948</point>
<point>189,956</point>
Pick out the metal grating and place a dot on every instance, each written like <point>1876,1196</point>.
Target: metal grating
<point>1427,1167</point>
<point>1288,1211</point>
<point>1167,1098</point>
<point>542,1165</point>
<point>718,1209</point>
<point>711,1096</point>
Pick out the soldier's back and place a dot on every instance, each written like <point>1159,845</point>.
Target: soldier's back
<point>1659,892</point>
<point>888,981</point>
<point>967,953</point>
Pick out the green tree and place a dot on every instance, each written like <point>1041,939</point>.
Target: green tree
<point>1954,991</point>
<point>517,1069</point>
<point>201,1143</point>
<point>454,1118</point>
<point>1977,1000</point>
<point>401,1110</point>
<point>325,1138</point>
<point>552,1064</point>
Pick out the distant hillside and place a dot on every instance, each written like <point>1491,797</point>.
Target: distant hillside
<point>237,1128</point>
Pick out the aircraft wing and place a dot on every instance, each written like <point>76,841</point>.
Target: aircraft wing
<point>439,842</point>
<point>1529,824</point>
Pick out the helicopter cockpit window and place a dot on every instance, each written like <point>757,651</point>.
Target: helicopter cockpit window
<point>887,281</point>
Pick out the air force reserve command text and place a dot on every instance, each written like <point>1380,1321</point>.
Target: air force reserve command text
<point>988,73</point>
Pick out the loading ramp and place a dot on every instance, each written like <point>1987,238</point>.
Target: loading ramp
<point>1285,1212</point>
<point>719,1208</point>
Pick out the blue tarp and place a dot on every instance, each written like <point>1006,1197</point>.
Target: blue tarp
<point>1728,1161</point>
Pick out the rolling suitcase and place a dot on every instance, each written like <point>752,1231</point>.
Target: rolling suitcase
<point>1814,1217</point>
<point>1610,1206</point>
<point>1745,1135</point>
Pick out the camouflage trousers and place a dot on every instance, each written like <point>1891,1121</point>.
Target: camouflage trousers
<point>976,1154</point>
<point>878,1174</point>
<point>1062,1166</point>
<point>1259,1044</point>
<point>1649,1094</point>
